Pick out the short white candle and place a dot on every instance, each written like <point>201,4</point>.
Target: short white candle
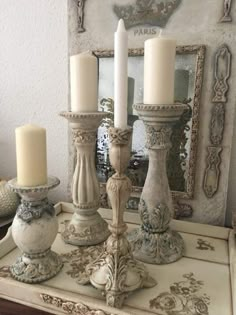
<point>84,82</point>
<point>121,76</point>
<point>159,70</point>
<point>31,155</point>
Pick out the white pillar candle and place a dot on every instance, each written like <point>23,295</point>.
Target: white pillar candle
<point>121,76</point>
<point>84,82</point>
<point>31,155</point>
<point>159,70</point>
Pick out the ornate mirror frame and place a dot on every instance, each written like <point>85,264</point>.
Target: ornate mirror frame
<point>199,51</point>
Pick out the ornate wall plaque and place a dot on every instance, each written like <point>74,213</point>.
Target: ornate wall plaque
<point>222,74</point>
<point>227,10</point>
<point>152,12</point>
<point>212,173</point>
<point>217,124</point>
<point>80,11</point>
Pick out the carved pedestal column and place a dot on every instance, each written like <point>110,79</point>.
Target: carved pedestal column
<point>116,272</point>
<point>34,229</point>
<point>86,226</point>
<point>154,242</point>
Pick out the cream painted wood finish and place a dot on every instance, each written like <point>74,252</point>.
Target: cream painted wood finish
<point>209,259</point>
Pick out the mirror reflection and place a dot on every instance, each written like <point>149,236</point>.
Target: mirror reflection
<point>179,164</point>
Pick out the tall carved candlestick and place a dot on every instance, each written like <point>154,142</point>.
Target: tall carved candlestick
<point>154,242</point>
<point>34,229</point>
<point>86,226</point>
<point>116,272</point>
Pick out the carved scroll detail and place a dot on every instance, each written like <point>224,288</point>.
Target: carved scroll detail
<point>221,87</point>
<point>222,74</point>
<point>227,10</point>
<point>212,173</point>
<point>182,210</point>
<point>70,307</point>
<point>217,124</point>
<point>83,136</point>
<point>158,137</point>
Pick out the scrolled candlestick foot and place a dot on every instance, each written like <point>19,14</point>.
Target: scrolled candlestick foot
<point>116,273</point>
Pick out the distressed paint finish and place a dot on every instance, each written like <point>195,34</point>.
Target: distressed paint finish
<point>222,73</point>
<point>226,18</point>
<point>34,229</point>
<point>115,272</point>
<point>151,12</point>
<point>154,242</point>
<point>212,173</point>
<point>86,226</point>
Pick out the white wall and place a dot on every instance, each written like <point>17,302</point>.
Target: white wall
<point>34,80</point>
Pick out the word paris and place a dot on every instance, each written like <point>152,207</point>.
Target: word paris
<point>145,31</point>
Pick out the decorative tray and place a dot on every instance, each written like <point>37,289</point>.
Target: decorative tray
<point>201,283</point>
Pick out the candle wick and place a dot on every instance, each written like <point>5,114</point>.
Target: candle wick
<point>160,33</point>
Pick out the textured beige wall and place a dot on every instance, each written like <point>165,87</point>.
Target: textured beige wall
<point>33,80</point>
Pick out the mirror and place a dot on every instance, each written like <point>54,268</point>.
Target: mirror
<point>182,156</point>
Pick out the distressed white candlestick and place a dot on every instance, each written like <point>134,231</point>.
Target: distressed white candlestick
<point>154,242</point>
<point>115,272</point>
<point>86,226</point>
<point>84,82</point>
<point>159,70</point>
<point>121,76</point>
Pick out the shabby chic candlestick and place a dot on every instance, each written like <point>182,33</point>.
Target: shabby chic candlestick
<point>154,242</point>
<point>116,272</point>
<point>86,227</point>
<point>34,229</point>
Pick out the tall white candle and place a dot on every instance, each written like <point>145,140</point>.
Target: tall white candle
<point>159,70</point>
<point>121,76</point>
<point>84,82</point>
<point>31,155</point>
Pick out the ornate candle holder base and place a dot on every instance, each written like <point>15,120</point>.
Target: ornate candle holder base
<point>116,273</point>
<point>86,230</point>
<point>34,229</point>
<point>86,227</point>
<point>156,248</point>
<point>36,268</point>
<point>154,242</point>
